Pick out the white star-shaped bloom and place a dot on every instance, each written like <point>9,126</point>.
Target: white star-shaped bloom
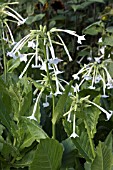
<point>32,117</point>
<point>80,38</point>
<point>55,61</point>
<point>23,57</point>
<point>73,135</point>
<point>46,104</point>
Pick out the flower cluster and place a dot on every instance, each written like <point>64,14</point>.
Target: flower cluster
<point>5,12</point>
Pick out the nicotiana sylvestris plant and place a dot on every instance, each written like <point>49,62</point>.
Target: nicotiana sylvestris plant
<point>27,144</point>
<point>41,41</point>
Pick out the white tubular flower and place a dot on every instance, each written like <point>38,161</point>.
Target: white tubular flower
<point>76,88</point>
<point>46,104</point>
<point>66,31</point>
<point>21,22</point>
<point>55,61</point>
<point>35,106</point>
<point>110,85</point>
<point>102,50</point>
<point>108,115</point>
<point>26,67</point>
<point>57,87</point>
<point>91,87</point>
<point>11,54</point>
<point>75,77</point>
<point>32,44</point>
<point>66,50</point>
<point>80,38</point>
<point>97,79</point>
<point>32,117</point>
<point>23,57</point>
<point>87,77</point>
<point>74,135</point>
<point>104,96</point>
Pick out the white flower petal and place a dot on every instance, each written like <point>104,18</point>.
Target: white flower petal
<point>91,87</point>
<point>80,38</point>
<point>32,117</point>
<point>45,104</point>
<point>55,61</point>
<point>23,57</point>
<point>75,76</point>
<point>31,44</point>
<point>104,96</point>
<point>73,135</point>
<point>87,77</point>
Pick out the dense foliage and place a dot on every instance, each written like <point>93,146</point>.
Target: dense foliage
<point>56,85</point>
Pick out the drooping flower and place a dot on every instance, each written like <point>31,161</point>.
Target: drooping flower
<point>73,135</point>
<point>46,104</point>
<point>32,117</point>
<point>31,44</point>
<point>55,61</point>
<point>23,57</point>
<point>75,76</point>
<point>80,38</point>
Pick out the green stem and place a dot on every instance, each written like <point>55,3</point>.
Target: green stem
<point>4,57</point>
<point>90,140</point>
<point>53,97</point>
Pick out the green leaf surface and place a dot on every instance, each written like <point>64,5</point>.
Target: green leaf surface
<point>109,29</point>
<point>70,153</point>
<point>108,40</point>
<point>8,150</point>
<point>58,112</point>
<point>4,114</point>
<point>12,64</point>
<point>32,19</point>
<point>101,1</point>
<point>82,143</point>
<point>25,161</point>
<point>103,159</point>
<point>28,140</point>
<point>93,30</point>
<point>48,155</point>
<point>91,117</point>
<point>35,130</point>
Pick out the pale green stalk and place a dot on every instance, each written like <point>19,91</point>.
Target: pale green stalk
<point>52,90</point>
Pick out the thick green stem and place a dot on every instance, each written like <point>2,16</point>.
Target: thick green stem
<point>53,97</point>
<point>4,56</point>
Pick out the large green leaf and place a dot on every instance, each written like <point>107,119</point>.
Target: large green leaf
<point>108,40</point>
<point>32,19</point>
<point>25,161</point>
<point>91,118</point>
<point>103,159</point>
<point>84,146</point>
<point>48,155</point>
<point>101,1</point>
<point>70,153</point>
<point>58,112</point>
<point>85,4</point>
<point>35,130</point>
<point>29,139</point>
<point>4,114</point>
<point>82,143</point>
<point>12,64</point>
<point>8,150</point>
